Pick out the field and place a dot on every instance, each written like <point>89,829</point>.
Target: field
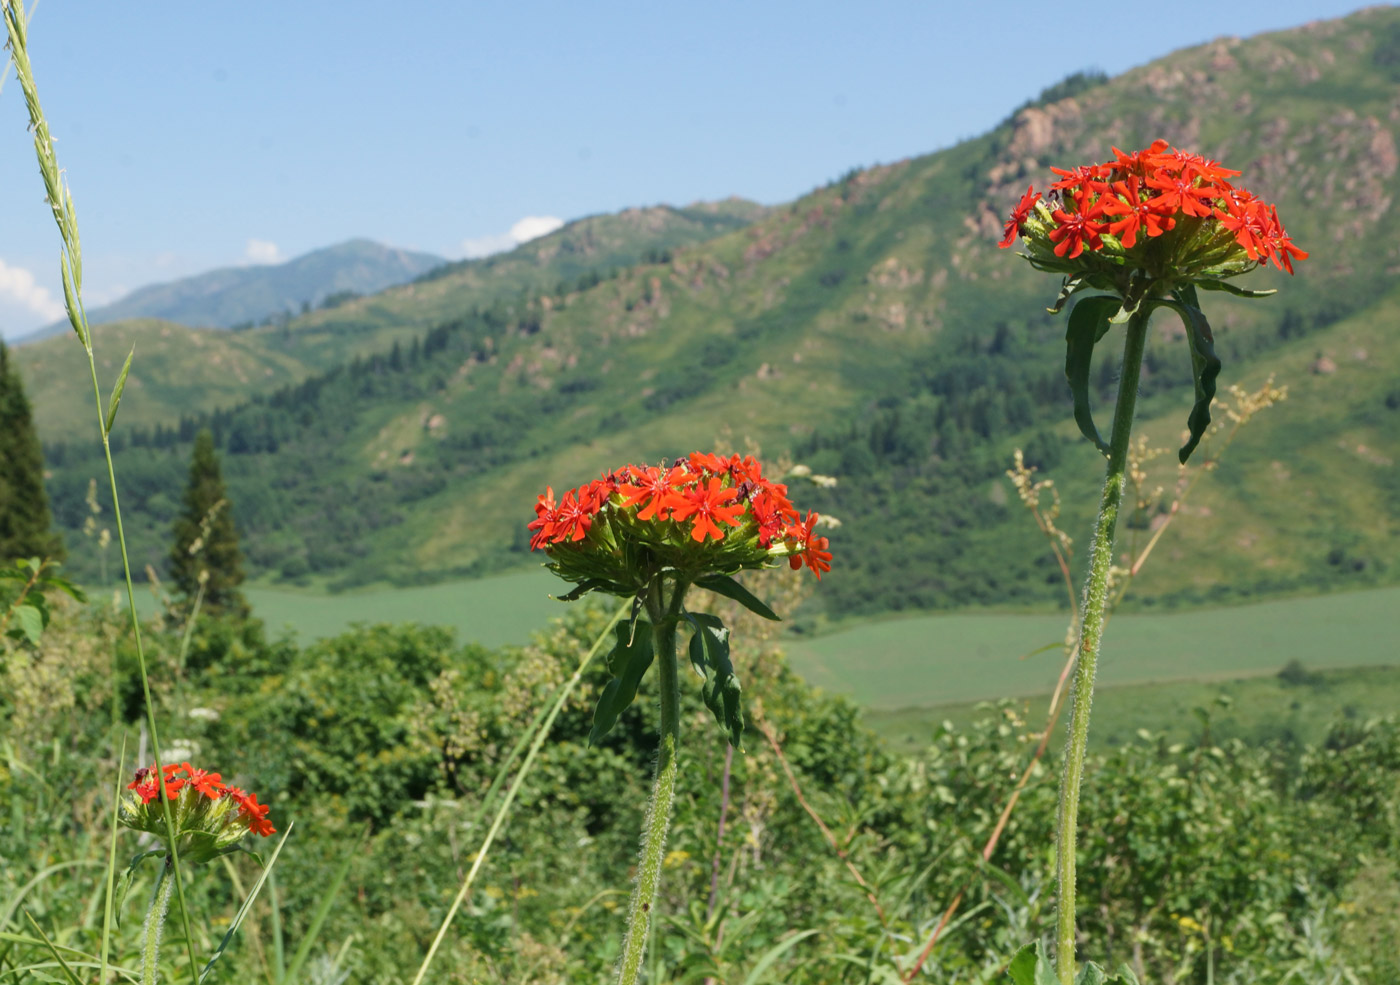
<point>953,659</point>
<point>910,674</point>
<point>1287,710</point>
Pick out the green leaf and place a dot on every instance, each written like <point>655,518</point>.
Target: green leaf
<point>1205,364</point>
<point>66,587</point>
<point>773,954</point>
<point>731,589</point>
<point>709,655</point>
<point>628,661</point>
<point>1090,974</point>
<point>1030,966</point>
<point>1072,284</point>
<point>1088,322</point>
<point>30,622</point>
<point>124,883</point>
<point>1228,288</point>
<point>580,590</point>
<point>116,398</point>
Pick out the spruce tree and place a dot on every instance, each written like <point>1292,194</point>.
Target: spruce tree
<point>205,537</point>
<point>25,523</point>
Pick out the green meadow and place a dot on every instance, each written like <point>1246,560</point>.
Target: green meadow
<point>911,674</point>
<point>935,660</point>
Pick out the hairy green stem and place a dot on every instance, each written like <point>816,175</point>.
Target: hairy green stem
<point>665,617</point>
<point>60,201</point>
<point>1091,635</point>
<point>155,925</point>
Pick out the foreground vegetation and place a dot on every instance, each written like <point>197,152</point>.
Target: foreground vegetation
<point>1278,862</point>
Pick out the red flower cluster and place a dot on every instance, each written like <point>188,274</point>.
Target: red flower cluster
<point>701,495</point>
<point>1147,193</point>
<point>203,783</point>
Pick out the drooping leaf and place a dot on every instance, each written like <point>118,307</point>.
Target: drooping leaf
<point>1088,323</point>
<point>709,655</point>
<point>579,590</point>
<point>731,589</point>
<point>630,657</point>
<point>1228,288</point>
<point>1030,966</point>
<point>1073,283</point>
<point>124,883</point>
<point>1205,364</point>
<point>114,401</point>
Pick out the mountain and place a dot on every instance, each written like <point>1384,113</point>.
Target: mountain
<point>188,361</point>
<point>241,296</point>
<point>873,330</point>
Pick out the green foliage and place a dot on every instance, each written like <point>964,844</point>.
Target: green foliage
<point>25,523</point>
<point>631,655</point>
<point>205,560</point>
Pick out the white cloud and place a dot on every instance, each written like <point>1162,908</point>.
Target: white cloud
<point>528,228</point>
<point>262,251</point>
<point>18,286</point>
<point>533,227</point>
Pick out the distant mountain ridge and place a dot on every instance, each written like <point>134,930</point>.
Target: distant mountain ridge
<point>233,296</point>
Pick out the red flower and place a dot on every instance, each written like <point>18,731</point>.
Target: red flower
<point>546,517</point>
<point>575,517</point>
<point>209,784</point>
<point>1087,175</point>
<point>254,813</point>
<point>1019,215</point>
<point>707,504</point>
<point>1139,163</point>
<point>1128,203</point>
<point>1077,229</point>
<point>1179,191</point>
<point>812,551</point>
<point>655,486</point>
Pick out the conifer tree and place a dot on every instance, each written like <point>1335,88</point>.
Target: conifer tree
<point>205,538</point>
<point>25,522</point>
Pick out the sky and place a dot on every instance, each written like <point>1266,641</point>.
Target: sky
<point>214,133</point>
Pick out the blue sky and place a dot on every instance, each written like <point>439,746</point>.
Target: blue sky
<point>211,133</point>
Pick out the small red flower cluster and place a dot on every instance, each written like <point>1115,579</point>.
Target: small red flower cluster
<point>202,782</point>
<point>702,490</point>
<point>1147,193</point>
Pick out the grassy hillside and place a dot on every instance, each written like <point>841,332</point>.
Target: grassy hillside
<point>873,329</point>
<point>174,367</point>
<point>204,371</point>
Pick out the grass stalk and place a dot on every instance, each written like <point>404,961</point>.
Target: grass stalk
<point>509,799</point>
<point>1094,611</point>
<point>60,201</point>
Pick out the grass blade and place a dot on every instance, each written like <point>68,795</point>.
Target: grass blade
<point>112,866</point>
<point>504,809</point>
<point>52,950</point>
<point>247,903</point>
<point>322,911</point>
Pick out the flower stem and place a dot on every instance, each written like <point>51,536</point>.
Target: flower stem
<point>665,616</point>
<point>155,924</point>
<point>1091,635</point>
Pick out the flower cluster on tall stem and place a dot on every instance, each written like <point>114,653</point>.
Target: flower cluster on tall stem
<point>651,533</point>
<point>1148,229</point>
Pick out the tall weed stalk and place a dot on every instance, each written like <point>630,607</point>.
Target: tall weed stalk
<point>60,201</point>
